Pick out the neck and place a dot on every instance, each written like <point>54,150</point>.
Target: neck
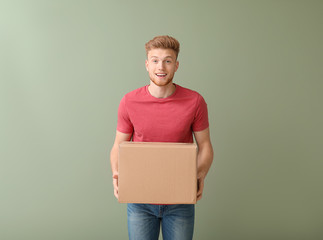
<point>161,91</point>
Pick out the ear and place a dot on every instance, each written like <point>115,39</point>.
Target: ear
<point>146,63</point>
<point>177,65</point>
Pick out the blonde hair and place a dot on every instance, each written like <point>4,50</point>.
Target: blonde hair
<point>164,42</point>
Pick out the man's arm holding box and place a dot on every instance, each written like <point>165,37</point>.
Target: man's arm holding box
<point>204,158</point>
<point>120,137</point>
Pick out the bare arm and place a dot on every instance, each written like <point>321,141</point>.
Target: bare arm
<point>204,158</point>
<point>120,137</point>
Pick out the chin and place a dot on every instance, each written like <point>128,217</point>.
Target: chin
<point>162,83</point>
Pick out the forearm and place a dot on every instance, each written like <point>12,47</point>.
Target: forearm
<point>204,159</point>
<point>114,154</point>
<point>114,159</point>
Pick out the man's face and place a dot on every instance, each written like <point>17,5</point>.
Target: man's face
<point>161,65</point>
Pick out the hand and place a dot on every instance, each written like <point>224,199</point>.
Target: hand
<point>115,184</point>
<point>200,187</point>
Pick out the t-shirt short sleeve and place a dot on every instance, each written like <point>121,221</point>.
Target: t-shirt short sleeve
<point>124,124</point>
<point>201,120</point>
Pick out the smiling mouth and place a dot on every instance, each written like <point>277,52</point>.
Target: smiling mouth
<point>161,75</point>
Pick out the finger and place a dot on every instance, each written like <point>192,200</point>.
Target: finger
<point>199,191</point>
<point>115,184</point>
<point>199,197</point>
<point>116,194</point>
<point>200,187</point>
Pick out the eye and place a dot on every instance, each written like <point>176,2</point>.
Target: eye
<point>154,61</point>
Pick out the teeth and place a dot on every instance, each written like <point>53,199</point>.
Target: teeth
<point>161,74</point>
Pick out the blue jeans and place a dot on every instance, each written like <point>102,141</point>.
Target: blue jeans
<point>176,221</point>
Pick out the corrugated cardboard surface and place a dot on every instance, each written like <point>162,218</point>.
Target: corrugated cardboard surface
<point>157,173</point>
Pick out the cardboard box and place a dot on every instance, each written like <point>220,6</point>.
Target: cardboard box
<point>157,173</point>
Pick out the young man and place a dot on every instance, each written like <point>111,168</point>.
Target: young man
<point>163,112</point>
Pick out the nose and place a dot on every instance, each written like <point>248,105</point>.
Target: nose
<point>161,65</point>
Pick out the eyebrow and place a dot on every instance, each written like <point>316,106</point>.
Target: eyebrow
<point>165,57</point>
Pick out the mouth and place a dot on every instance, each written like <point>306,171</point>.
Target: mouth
<point>161,75</point>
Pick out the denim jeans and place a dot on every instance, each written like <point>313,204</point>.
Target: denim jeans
<point>176,221</point>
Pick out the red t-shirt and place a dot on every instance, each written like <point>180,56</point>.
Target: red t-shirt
<point>171,119</point>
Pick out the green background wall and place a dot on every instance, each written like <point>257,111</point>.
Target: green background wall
<point>64,66</point>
